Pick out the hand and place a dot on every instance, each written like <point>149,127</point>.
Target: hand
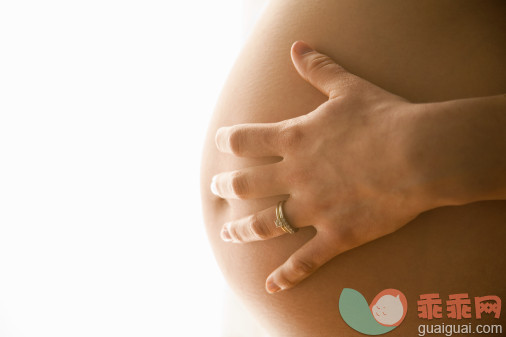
<point>343,167</point>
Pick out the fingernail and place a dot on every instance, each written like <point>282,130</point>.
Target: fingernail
<point>220,138</point>
<point>272,287</point>
<point>225,235</point>
<point>214,187</point>
<point>302,48</point>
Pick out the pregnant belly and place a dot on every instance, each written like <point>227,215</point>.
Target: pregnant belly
<point>423,51</point>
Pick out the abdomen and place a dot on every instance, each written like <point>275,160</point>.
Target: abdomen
<point>423,51</point>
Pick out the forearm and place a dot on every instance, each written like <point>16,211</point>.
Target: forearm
<point>458,150</point>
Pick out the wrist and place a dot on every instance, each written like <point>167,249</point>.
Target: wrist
<point>453,150</point>
<point>413,155</point>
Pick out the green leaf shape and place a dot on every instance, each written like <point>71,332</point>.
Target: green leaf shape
<point>356,313</point>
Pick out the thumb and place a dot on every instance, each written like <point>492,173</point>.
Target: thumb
<point>321,71</point>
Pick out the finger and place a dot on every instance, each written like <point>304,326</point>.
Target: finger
<point>261,225</point>
<point>321,71</point>
<point>304,262</point>
<point>259,139</point>
<point>249,140</point>
<point>250,183</point>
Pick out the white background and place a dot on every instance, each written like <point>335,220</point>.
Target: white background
<point>103,110</point>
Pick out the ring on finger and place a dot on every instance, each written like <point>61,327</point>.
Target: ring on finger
<point>281,221</point>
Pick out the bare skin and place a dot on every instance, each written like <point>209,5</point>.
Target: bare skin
<point>359,166</point>
<point>413,50</point>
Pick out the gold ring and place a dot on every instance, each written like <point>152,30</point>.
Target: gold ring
<point>281,220</point>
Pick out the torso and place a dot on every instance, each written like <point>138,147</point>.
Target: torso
<point>421,50</point>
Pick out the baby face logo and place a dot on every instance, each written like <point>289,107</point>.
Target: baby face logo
<point>386,312</point>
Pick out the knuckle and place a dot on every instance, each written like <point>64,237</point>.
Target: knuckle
<point>320,62</point>
<point>302,266</point>
<point>239,185</point>
<point>299,176</point>
<point>291,137</point>
<point>323,206</point>
<point>235,140</point>
<point>257,228</point>
<point>348,236</point>
<point>317,195</point>
<point>232,231</point>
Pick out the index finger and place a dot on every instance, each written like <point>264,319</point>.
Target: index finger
<point>249,140</point>
<point>262,139</point>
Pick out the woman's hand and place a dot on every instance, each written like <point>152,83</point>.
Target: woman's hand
<point>342,165</point>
